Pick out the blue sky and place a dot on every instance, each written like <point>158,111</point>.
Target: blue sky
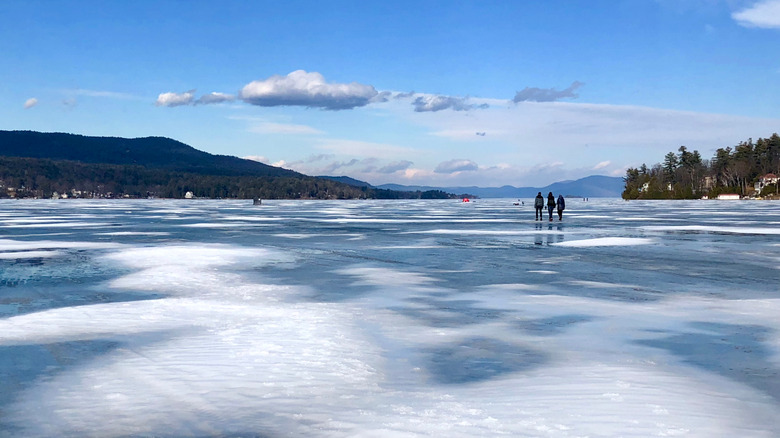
<point>482,93</point>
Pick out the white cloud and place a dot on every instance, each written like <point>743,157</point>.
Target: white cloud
<point>602,165</point>
<point>282,128</point>
<point>215,97</point>
<point>395,166</point>
<point>457,165</point>
<point>31,102</point>
<point>763,14</point>
<point>487,176</point>
<point>103,94</point>
<point>258,158</point>
<point>176,99</point>
<point>434,103</point>
<point>309,89</point>
<point>533,94</point>
<point>360,168</point>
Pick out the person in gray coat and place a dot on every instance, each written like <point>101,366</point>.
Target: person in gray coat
<point>539,205</point>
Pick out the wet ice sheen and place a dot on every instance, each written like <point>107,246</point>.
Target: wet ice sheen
<point>397,318</point>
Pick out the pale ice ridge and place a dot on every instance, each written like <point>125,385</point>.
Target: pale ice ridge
<point>134,233</point>
<point>223,225</point>
<point>486,232</point>
<point>15,245</point>
<point>606,241</point>
<point>12,255</point>
<point>408,221</point>
<point>716,229</point>
<point>61,224</point>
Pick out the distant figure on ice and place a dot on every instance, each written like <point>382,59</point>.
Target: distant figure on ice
<point>561,204</point>
<point>539,205</point>
<point>550,204</point>
<point>257,201</point>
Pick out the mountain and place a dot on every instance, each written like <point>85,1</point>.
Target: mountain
<point>594,186</point>
<point>42,165</point>
<point>150,152</point>
<point>169,161</point>
<point>350,181</point>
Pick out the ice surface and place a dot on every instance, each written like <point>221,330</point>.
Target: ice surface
<point>12,255</point>
<point>134,233</point>
<point>607,241</point>
<point>389,319</point>
<point>15,245</point>
<point>717,229</point>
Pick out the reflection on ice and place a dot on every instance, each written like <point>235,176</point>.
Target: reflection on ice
<point>402,318</point>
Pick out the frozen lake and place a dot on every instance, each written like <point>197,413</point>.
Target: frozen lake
<point>389,319</point>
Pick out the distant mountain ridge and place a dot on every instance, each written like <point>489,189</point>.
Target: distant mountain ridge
<point>594,186</point>
<point>151,152</point>
<point>169,155</point>
<point>350,181</point>
<point>41,165</point>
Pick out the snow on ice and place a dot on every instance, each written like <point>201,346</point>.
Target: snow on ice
<point>388,319</point>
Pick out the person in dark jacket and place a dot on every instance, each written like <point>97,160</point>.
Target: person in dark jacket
<point>561,204</point>
<point>550,204</point>
<point>539,205</point>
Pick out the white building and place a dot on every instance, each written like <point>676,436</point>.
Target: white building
<point>769,178</point>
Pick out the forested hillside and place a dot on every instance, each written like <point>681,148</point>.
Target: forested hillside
<point>686,175</point>
<point>150,152</point>
<point>42,165</point>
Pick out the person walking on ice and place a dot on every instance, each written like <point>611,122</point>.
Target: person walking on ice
<point>539,205</point>
<point>561,204</point>
<point>550,204</point>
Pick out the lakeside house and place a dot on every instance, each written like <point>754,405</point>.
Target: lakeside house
<point>769,178</point>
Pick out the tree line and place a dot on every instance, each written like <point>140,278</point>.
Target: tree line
<point>686,175</point>
<point>42,178</point>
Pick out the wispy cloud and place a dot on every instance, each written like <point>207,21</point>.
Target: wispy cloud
<point>176,99</point>
<point>457,165</point>
<point>533,94</point>
<point>362,168</point>
<point>212,98</point>
<point>365,149</point>
<point>602,165</point>
<point>464,134</point>
<point>308,89</point>
<point>764,14</point>
<point>258,158</point>
<point>437,103</point>
<point>31,102</point>
<point>395,166</point>
<point>283,128</point>
<point>528,133</point>
<point>102,94</point>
